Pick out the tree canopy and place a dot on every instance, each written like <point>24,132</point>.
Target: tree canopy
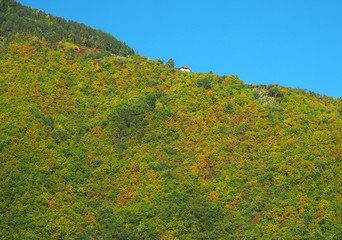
<point>16,18</point>
<point>98,147</point>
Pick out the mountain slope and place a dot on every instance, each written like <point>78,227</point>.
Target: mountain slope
<point>16,18</point>
<point>95,147</point>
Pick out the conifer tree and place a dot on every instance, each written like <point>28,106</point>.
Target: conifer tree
<point>4,5</point>
<point>170,63</point>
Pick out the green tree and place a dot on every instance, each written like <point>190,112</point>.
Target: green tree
<point>4,5</point>
<point>170,63</point>
<point>160,61</point>
<point>204,82</point>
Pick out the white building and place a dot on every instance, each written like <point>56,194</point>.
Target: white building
<point>185,69</point>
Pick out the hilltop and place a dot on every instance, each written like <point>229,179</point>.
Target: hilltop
<point>16,18</point>
<point>98,147</point>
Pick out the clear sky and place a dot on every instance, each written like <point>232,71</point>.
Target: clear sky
<point>293,43</point>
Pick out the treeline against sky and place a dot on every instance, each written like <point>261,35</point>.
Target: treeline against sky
<point>16,18</point>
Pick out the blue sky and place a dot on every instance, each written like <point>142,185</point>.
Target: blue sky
<point>293,43</point>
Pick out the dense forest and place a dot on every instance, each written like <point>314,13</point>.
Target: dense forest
<point>94,146</point>
<point>16,18</point>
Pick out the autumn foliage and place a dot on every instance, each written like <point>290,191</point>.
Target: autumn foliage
<point>98,147</point>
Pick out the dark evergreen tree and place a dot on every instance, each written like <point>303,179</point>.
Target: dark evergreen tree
<point>4,5</point>
<point>21,19</point>
<point>170,63</point>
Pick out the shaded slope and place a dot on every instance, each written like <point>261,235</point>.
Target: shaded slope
<point>97,147</point>
<point>16,18</point>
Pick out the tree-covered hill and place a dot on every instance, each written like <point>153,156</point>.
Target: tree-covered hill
<point>96,147</point>
<point>16,18</point>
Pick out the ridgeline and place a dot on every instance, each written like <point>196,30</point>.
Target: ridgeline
<point>16,19</point>
<point>98,147</point>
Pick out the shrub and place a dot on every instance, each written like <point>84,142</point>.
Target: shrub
<point>49,122</point>
<point>275,92</point>
<point>204,83</point>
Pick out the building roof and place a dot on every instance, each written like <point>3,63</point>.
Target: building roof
<point>185,68</point>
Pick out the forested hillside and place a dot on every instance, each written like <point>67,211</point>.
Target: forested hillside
<point>96,147</point>
<point>16,18</point>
